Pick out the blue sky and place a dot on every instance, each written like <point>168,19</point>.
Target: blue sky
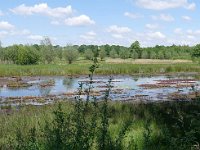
<point>151,22</point>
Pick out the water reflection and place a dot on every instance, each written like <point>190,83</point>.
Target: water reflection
<point>68,82</point>
<point>44,90</point>
<point>127,86</point>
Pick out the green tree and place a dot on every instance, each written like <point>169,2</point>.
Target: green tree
<point>113,54</point>
<point>196,53</point>
<point>1,52</point>
<point>88,54</point>
<point>59,52</point>
<point>124,53</point>
<point>70,54</point>
<point>47,50</point>
<point>136,47</point>
<point>27,55</point>
<point>144,55</point>
<point>134,55</point>
<point>102,53</point>
<point>152,55</point>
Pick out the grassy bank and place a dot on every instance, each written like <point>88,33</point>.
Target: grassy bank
<point>166,126</point>
<point>104,69</point>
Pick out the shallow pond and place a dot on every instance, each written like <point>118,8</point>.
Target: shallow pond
<point>124,87</point>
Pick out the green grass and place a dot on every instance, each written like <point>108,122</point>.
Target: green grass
<point>174,116</point>
<point>104,69</point>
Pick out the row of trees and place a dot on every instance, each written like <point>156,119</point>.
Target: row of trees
<point>47,53</point>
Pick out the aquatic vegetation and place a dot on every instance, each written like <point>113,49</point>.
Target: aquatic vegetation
<point>47,83</point>
<point>18,84</point>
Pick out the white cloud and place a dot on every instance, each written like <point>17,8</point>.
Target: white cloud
<point>4,25</point>
<point>14,32</point>
<point>59,15</point>
<point>19,32</point>
<point>156,35</point>
<point>118,30</point>
<point>163,17</point>
<point>186,37</point>
<point>89,35</point>
<point>165,4</point>
<point>133,15</point>
<point>43,9</point>
<point>81,20</point>
<point>187,18</point>
<point>35,37</point>
<point>152,26</point>
<point>191,6</point>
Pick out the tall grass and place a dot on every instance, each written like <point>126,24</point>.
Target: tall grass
<point>105,69</point>
<point>166,125</point>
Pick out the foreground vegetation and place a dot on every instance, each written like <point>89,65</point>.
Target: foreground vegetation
<point>112,125</point>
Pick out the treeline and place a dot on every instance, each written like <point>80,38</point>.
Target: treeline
<point>46,53</point>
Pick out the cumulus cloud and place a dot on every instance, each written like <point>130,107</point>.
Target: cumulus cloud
<point>88,36</point>
<point>189,36</point>
<point>10,30</point>
<point>152,26</point>
<point>165,4</point>
<point>156,35</point>
<point>81,20</point>
<point>133,15</point>
<point>163,17</point>
<point>118,30</point>
<point>43,9</point>
<point>187,18</point>
<point>59,15</point>
<point>4,25</point>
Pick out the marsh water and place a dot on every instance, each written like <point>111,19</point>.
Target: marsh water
<point>123,87</point>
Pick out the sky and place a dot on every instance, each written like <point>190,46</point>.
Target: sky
<point>117,22</point>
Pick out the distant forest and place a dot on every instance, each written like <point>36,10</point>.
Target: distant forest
<point>46,53</point>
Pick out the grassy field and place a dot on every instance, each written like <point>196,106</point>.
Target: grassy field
<point>146,61</point>
<point>110,66</point>
<point>166,126</point>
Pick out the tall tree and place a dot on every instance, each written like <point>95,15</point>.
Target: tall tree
<point>196,53</point>
<point>47,50</point>
<point>136,47</point>
<point>70,54</point>
<point>88,54</point>
<point>102,53</point>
